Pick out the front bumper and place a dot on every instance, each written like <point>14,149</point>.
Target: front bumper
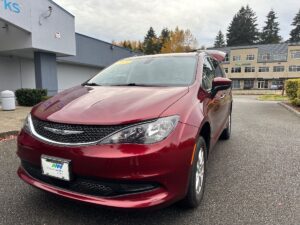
<point>165,164</point>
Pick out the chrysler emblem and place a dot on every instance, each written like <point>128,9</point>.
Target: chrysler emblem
<point>62,132</point>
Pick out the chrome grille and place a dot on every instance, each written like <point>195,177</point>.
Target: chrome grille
<point>81,133</point>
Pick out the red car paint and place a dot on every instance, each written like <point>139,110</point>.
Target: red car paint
<point>167,163</point>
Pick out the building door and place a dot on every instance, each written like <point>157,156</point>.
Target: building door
<point>262,84</point>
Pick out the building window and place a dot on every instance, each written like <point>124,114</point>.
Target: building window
<point>278,69</point>
<point>226,70</point>
<point>250,57</point>
<point>249,69</point>
<point>236,84</point>
<point>263,69</point>
<point>266,57</point>
<point>248,84</point>
<point>280,57</point>
<point>236,69</point>
<point>226,59</point>
<point>277,82</point>
<point>294,68</point>
<point>295,54</point>
<point>236,58</point>
<point>275,57</point>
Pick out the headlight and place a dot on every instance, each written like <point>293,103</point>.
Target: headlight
<point>26,125</point>
<point>146,133</point>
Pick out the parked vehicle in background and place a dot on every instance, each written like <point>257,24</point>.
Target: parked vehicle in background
<point>136,135</point>
<point>277,85</point>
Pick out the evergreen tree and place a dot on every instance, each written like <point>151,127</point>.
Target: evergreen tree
<point>295,33</point>
<point>164,37</point>
<point>219,41</point>
<point>269,34</point>
<point>243,28</point>
<point>151,44</point>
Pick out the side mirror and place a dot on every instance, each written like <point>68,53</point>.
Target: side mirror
<point>220,83</point>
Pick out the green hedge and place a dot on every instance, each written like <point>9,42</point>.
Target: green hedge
<point>30,97</point>
<point>292,87</point>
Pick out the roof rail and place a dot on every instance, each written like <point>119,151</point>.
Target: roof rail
<point>216,54</point>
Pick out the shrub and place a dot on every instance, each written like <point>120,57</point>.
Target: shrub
<point>30,97</point>
<point>292,87</point>
<point>296,102</point>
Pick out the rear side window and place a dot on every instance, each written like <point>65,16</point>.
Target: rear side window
<point>208,74</point>
<point>219,72</point>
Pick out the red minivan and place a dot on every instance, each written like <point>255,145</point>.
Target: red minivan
<point>137,135</point>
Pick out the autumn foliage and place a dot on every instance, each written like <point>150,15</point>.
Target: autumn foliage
<point>179,41</point>
<point>169,41</point>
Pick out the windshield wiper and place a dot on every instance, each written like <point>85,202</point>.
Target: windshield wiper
<point>91,84</point>
<point>136,84</point>
<point>129,84</point>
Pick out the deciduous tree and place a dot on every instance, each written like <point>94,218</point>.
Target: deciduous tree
<point>180,41</point>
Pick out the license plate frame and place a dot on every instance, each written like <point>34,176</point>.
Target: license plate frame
<point>55,167</point>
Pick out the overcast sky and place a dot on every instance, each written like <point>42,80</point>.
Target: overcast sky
<point>117,20</point>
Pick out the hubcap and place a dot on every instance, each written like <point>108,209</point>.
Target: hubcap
<point>200,171</point>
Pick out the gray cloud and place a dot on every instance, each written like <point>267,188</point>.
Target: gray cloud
<point>119,19</point>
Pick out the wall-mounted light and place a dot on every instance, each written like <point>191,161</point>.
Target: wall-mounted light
<point>46,15</point>
<point>112,47</point>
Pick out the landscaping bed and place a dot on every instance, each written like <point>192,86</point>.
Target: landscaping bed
<point>272,97</point>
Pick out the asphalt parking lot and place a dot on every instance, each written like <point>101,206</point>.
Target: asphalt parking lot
<point>254,178</point>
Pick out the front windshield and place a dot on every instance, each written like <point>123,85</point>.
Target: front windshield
<point>149,71</point>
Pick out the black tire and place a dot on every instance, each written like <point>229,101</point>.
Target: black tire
<point>193,198</point>
<point>227,131</point>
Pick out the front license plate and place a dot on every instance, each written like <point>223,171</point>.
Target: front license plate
<point>56,167</point>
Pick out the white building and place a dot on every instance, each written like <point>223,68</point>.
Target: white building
<point>40,49</point>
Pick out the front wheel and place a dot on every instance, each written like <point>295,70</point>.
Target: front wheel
<point>197,179</point>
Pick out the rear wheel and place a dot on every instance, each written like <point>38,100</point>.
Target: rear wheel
<point>197,179</point>
<point>227,131</point>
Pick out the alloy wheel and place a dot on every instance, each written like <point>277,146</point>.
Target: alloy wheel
<point>200,171</point>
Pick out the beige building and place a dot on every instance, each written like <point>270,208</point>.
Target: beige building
<point>262,66</point>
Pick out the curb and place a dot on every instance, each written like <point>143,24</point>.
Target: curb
<point>6,134</point>
<point>290,108</point>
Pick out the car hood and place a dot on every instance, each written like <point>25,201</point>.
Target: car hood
<point>108,105</point>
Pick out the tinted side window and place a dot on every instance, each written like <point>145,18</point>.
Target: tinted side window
<point>218,69</point>
<point>208,74</point>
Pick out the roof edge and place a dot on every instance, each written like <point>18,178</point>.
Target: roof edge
<point>54,3</point>
<point>105,42</point>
